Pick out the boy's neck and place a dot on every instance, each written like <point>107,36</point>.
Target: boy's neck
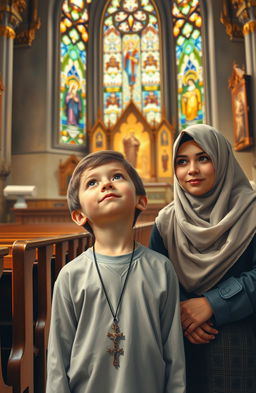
<point>114,241</point>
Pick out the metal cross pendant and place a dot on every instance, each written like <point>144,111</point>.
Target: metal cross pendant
<point>116,337</point>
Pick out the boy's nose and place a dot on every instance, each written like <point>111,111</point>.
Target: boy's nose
<point>107,185</point>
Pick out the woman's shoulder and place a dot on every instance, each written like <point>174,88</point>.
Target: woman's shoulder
<point>164,218</point>
<point>166,211</point>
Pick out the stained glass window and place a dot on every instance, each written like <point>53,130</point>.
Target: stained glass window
<point>74,38</point>
<point>187,23</point>
<point>131,59</point>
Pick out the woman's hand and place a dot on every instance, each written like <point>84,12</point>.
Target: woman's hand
<point>194,312</point>
<point>202,334</point>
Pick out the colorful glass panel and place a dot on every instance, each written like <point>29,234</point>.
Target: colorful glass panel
<point>187,23</point>
<point>73,46</point>
<point>131,59</point>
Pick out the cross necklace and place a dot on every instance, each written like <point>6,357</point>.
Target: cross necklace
<point>116,336</point>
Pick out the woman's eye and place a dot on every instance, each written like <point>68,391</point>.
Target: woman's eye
<point>181,161</point>
<point>204,158</point>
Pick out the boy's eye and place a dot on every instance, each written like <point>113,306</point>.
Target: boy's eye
<point>91,183</point>
<point>118,176</point>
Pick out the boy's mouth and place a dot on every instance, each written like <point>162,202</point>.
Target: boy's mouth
<point>109,196</point>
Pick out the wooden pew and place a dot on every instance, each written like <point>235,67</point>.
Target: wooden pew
<point>26,373</point>
<point>34,268</point>
<point>11,232</point>
<point>3,387</point>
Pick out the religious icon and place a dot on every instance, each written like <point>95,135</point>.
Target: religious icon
<point>131,60</point>
<point>112,100</point>
<point>116,337</point>
<point>151,98</point>
<point>113,63</point>
<point>240,88</point>
<point>73,103</point>
<point>191,101</point>
<point>164,138</point>
<point>150,61</point>
<point>99,139</point>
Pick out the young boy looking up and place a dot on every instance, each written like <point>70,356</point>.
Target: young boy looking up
<point>115,324</point>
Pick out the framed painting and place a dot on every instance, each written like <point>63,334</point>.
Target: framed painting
<point>240,93</point>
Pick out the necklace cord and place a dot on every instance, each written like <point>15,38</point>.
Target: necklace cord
<point>114,314</point>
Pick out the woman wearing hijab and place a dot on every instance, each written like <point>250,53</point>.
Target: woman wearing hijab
<point>208,232</point>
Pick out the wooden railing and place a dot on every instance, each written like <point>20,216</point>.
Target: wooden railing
<point>3,387</point>
<point>35,266</point>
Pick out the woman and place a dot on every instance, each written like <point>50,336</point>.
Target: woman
<point>208,232</point>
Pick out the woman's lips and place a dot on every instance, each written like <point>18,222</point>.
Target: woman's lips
<point>195,181</point>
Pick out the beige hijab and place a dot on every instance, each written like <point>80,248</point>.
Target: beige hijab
<point>206,235</point>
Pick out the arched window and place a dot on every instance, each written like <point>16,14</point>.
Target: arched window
<point>132,60</point>
<point>187,24</point>
<point>73,64</point>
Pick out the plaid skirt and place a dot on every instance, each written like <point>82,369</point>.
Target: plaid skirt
<point>225,365</point>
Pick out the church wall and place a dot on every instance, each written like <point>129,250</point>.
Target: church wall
<point>223,53</point>
<point>37,169</point>
<point>30,92</point>
<point>35,161</point>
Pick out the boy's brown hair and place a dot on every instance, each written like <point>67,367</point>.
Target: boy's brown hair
<point>94,160</point>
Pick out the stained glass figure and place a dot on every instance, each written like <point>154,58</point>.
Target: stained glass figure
<point>187,23</point>
<point>74,37</point>
<point>131,59</point>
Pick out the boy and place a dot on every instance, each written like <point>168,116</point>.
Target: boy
<point>115,324</point>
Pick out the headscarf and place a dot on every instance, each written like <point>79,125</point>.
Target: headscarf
<point>205,235</point>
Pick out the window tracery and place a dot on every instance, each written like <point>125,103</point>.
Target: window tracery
<point>132,63</point>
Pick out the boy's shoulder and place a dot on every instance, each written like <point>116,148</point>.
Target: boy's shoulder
<point>81,262</point>
<point>84,262</point>
<point>156,259</point>
<point>154,254</point>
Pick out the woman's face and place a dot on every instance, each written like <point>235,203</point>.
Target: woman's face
<point>194,169</point>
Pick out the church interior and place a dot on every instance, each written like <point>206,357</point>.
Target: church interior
<point>78,76</point>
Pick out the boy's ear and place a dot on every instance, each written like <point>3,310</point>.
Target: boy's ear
<point>142,202</point>
<point>78,217</point>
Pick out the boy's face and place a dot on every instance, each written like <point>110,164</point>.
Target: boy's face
<point>107,195</point>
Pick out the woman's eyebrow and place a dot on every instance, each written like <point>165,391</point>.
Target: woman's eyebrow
<point>197,154</point>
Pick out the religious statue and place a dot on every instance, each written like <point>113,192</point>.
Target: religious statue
<point>164,138</point>
<point>73,104</point>
<point>240,121</point>
<point>191,100</point>
<point>131,147</point>
<point>165,159</point>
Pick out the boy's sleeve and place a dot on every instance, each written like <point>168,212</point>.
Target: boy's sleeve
<point>172,337</point>
<point>61,337</point>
